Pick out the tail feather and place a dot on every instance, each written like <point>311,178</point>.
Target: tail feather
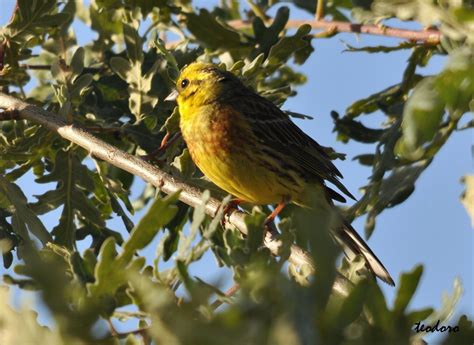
<point>354,245</point>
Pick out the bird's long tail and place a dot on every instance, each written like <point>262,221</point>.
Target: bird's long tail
<point>354,245</point>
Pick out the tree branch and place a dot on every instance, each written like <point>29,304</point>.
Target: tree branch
<point>9,114</point>
<point>165,182</point>
<point>48,68</point>
<point>429,36</point>
<point>229,293</point>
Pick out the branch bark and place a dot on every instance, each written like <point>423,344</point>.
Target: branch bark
<point>165,182</point>
<point>48,68</point>
<point>429,36</point>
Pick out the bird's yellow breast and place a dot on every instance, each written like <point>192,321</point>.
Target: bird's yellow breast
<point>221,145</point>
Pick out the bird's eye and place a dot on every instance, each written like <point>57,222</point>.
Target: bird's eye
<point>184,83</point>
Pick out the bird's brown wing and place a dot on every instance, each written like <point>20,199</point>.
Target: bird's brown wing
<point>278,135</point>
<point>283,139</point>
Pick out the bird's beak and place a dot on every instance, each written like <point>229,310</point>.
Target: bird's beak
<point>172,96</point>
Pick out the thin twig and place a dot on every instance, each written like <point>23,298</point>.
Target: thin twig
<point>257,10</point>
<point>2,55</point>
<point>151,27</point>
<point>431,36</point>
<point>99,129</point>
<point>112,329</point>
<point>141,331</point>
<point>151,174</point>
<point>48,67</point>
<point>13,13</point>
<point>165,143</point>
<point>36,67</point>
<point>229,293</point>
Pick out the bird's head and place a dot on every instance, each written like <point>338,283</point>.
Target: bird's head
<point>200,83</point>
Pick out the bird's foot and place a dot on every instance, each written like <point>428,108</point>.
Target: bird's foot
<point>231,206</point>
<point>165,143</point>
<point>276,212</point>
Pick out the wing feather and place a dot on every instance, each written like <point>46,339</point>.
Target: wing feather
<point>275,131</point>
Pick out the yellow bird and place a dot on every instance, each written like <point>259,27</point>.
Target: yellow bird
<point>251,149</point>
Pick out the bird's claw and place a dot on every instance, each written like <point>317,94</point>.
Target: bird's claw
<point>231,206</point>
<point>165,143</point>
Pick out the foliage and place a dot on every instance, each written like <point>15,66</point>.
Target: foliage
<point>114,86</point>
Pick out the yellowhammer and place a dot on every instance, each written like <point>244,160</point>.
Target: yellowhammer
<point>251,149</point>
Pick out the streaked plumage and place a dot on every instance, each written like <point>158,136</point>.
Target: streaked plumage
<point>251,149</point>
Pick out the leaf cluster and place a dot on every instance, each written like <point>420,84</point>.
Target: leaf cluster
<point>93,273</point>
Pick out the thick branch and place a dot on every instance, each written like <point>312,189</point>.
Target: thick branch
<point>333,27</point>
<point>165,182</point>
<point>9,114</point>
<point>430,36</point>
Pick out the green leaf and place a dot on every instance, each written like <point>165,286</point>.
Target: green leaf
<point>105,23</point>
<point>184,164</point>
<point>422,116</point>
<point>464,335</point>
<point>111,274</point>
<point>191,249</point>
<point>73,182</point>
<point>419,315</point>
<point>467,197</point>
<point>255,228</point>
<point>253,68</point>
<point>292,45</point>
<point>448,305</point>
<point>374,101</point>
<point>348,128</point>
<point>77,61</point>
<point>175,227</point>
<point>185,278</point>
<point>210,32</point>
<point>79,87</point>
<point>107,275</point>
<point>24,219</point>
<point>365,159</point>
<point>455,84</point>
<point>394,189</point>
<point>14,319</point>
<point>80,269</point>
<point>313,223</point>
<point>53,20</point>
<point>381,49</point>
<point>268,37</point>
<point>406,288</point>
<point>112,190</point>
<point>171,124</point>
<point>28,20</point>
<point>161,49</point>
<point>120,66</point>
<point>134,43</point>
<point>141,102</point>
<point>351,307</point>
<point>377,306</point>
<point>160,213</point>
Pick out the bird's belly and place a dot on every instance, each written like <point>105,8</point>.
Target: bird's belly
<point>242,175</point>
<point>233,162</point>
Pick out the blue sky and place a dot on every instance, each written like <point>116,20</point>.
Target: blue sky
<point>431,227</point>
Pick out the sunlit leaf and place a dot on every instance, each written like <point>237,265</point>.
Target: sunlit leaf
<point>406,288</point>
<point>467,198</point>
